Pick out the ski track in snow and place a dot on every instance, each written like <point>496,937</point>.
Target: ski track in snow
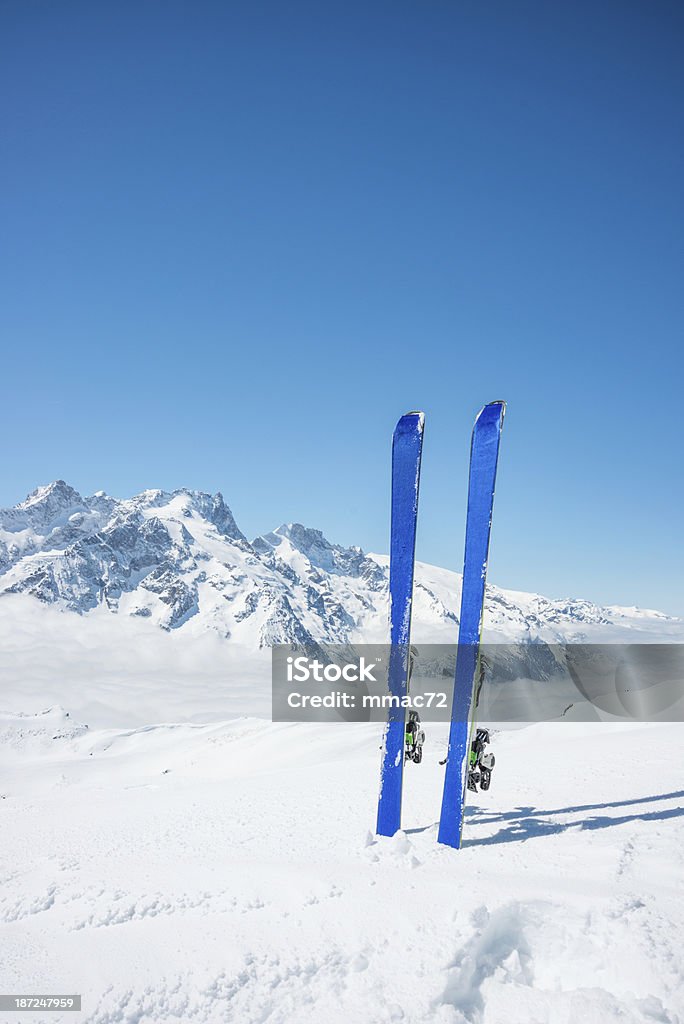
<point>227,872</point>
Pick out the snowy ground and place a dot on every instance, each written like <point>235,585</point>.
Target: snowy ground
<point>226,872</point>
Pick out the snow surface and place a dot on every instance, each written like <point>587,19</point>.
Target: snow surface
<point>227,872</point>
<point>172,855</point>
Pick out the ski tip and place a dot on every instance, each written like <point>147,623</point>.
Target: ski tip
<point>414,420</point>
<point>492,411</point>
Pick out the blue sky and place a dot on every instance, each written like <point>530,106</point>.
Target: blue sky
<point>239,240</point>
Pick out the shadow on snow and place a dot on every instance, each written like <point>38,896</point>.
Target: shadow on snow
<point>528,823</point>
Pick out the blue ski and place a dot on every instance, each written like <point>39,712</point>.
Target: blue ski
<point>484,453</point>
<point>407,445</point>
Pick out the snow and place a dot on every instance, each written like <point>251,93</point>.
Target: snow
<point>226,872</point>
<point>173,855</point>
<point>116,670</point>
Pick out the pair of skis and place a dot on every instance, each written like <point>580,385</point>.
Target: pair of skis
<point>406,455</point>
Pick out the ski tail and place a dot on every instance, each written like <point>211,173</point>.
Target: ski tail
<point>407,446</point>
<point>484,454</point>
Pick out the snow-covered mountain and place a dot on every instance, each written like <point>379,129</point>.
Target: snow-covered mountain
<point>179,560</point>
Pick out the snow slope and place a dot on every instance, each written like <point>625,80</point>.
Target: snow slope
<point>173,856</point>
<point>226,872</point>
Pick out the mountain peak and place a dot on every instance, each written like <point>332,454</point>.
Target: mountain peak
<point>320,552</point>
<point>57,493</point>
<point>210,506</point>
<point>304,538</point>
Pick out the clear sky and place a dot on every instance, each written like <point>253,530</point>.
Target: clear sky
<point>240,239</point>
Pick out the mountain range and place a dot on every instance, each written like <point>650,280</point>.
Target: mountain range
<point>179,559</point>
